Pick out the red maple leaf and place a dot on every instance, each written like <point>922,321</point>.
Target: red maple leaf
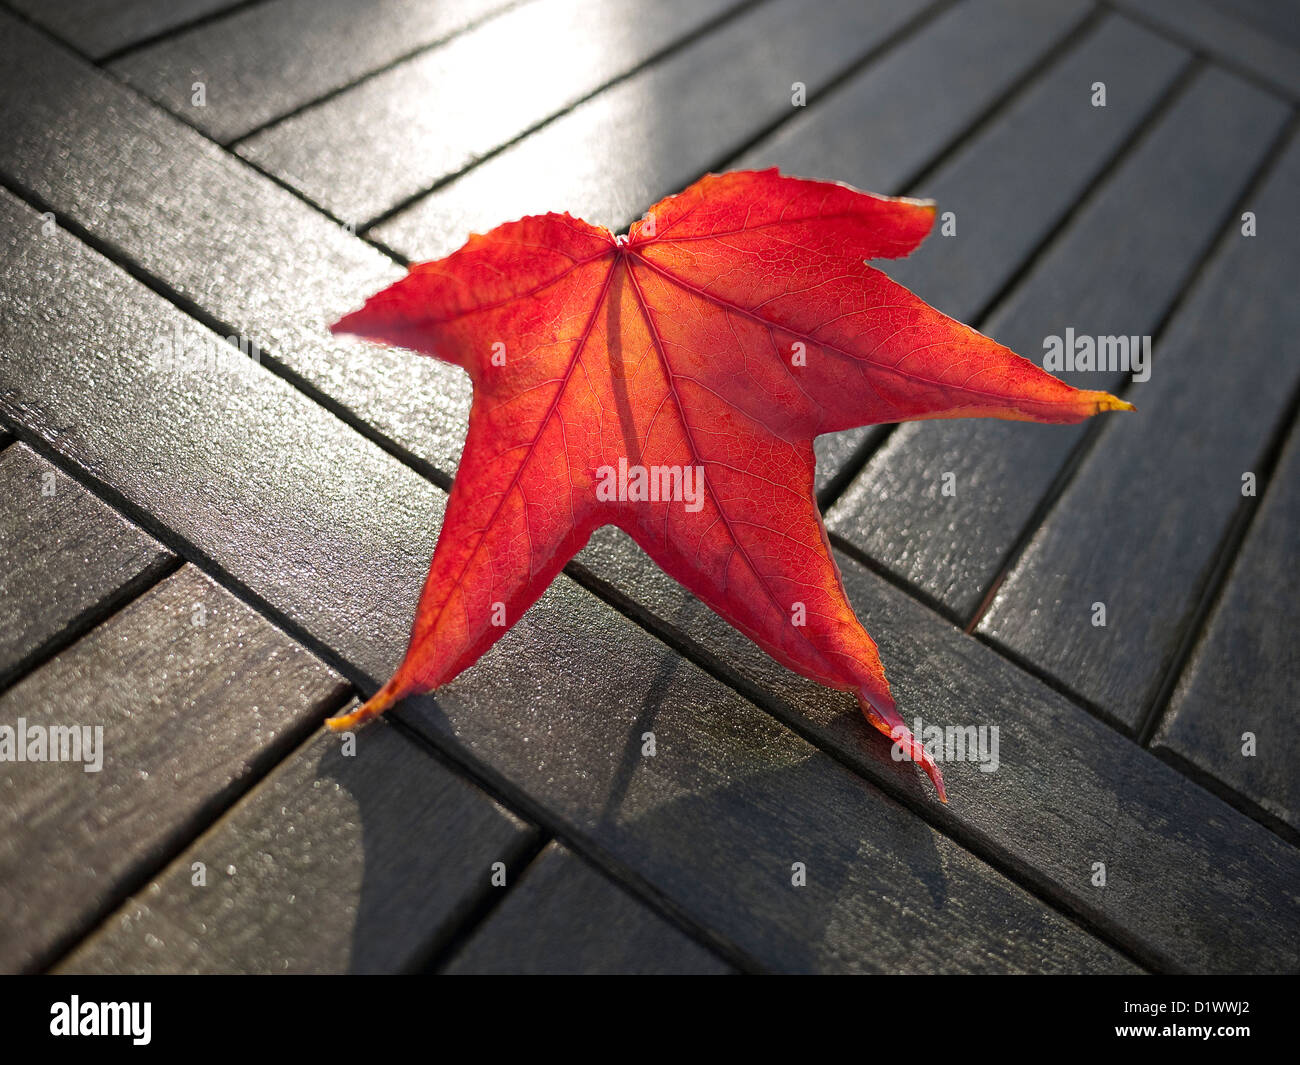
<point>671,383</point>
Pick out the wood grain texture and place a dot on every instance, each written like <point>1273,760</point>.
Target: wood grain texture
<point>262,62</point>
<point>1169,197</point>
<point>1139,527</point>
<point>98,29</point>
<point>658,130</point>
<point>1245,671</point>
<point>337,535</point>
<point>1192,884</point>
<point>398,134</point>
<point>333,863</point>
<point>566,917</point>
<point>67,559</point>
<point>194,692</point>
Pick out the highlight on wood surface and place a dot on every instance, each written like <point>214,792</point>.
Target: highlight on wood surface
<point>671,382</point>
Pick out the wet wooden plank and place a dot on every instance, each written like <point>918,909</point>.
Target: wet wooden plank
<point>1230,714</point>
<point>68,558</point>
<point>1139,527</point>
<point>564,916</point>
<point>312,518</point>
<point>98,29</point>
<point>658,130</point>
<point>1191,884</point>
<point>184,695</point>
<point>1169,198</point>
<point>264,61</point>
<point>1230,33</point>
<point>906,108</point>
<point>396,135</point>
<point>333,863</point>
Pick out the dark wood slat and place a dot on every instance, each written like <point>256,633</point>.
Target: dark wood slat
<point>1245,672</point>
<point>1010,185</point>
<point>98,29</point>
<point>68,558</point>
<point>1140,524</point>
<point>566,917</point>
<point>905,108</point>
<point>659,130</point>
<point>265,61</point>
<point>192,691</point>
<point>332,864</point>
<point>1223,31</point>
<point>337,535</point>
<point>396,135</point>
<point>76,140</point>
<point>1169,198</point>
<point>1191,884</point>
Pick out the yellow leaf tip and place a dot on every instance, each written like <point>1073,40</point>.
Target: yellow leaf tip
<point>372,707</point>
<point>1102,402</point>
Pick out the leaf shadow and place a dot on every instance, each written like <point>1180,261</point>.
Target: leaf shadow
<point>716,839</point>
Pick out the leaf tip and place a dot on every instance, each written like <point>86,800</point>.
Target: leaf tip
<point>372,707</point>
<point>344,326</point>
<point>1107,402</point>
<point>884,717</point>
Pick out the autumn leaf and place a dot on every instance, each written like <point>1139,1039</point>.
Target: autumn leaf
<point>670,382</point>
